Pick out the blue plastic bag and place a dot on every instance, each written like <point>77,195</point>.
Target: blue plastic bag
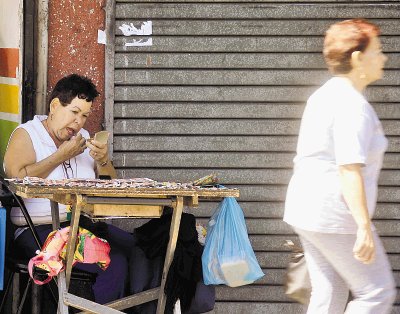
<point>228,257</point>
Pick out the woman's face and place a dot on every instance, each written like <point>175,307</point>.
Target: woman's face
<point>68,120</point>
<point>373,60</point>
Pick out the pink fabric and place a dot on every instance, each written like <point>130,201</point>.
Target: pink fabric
<point>89,249</point>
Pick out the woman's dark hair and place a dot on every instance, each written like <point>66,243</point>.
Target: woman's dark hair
<point>72,86</point>
<point>343,38</point>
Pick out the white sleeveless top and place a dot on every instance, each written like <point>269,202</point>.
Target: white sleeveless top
<point>81,166</point>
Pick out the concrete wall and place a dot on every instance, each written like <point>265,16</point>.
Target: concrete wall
<point>73,47</point>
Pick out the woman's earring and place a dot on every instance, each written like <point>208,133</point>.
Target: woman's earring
<point>51,116</point>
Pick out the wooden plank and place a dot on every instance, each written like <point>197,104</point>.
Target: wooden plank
<point>86,305</point>
<point>238,93</point>
<point>238,44</point>
<point>248,60</point>
<point>173,236</point>
<point>124,210</point>
<point>138,298</point>
<point>118,193</point>
<point>217,143</point>
<point>255,11</point>
<point>247,27</point>
<point>227,77</point>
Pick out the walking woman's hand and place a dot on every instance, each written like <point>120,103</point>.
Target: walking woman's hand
<point>364,248</point>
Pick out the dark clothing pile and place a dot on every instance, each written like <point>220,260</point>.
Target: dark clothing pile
<point>184,280</point>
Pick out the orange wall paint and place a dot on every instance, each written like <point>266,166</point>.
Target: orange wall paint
<point>9,62</point>
<point>73,47</point>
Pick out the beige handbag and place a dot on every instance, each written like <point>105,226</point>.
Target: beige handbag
<point>297,283</point>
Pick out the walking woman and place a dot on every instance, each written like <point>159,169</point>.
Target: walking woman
<point>332,194</point>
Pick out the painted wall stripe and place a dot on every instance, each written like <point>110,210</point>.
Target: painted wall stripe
<point>9,95</point>
<point>9,80</point>
<point>10,117</point>
<point>9,62</point>
<point>6,128</point>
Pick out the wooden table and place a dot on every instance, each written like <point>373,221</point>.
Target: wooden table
<point>125,202</point>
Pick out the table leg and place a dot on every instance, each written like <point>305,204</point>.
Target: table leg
<point>64,277</point>
<point>62,307</point>
<point>55,215</point>
<point>76,212</point>
<point>173,236</point>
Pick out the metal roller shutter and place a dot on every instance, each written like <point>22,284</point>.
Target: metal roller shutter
<point>221,89</point>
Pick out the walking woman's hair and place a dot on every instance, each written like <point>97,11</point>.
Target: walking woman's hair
<point>343,38</point>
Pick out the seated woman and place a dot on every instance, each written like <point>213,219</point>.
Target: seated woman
<point>56,147</point>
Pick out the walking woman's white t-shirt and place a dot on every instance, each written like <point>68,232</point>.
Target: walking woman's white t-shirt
<point>81,166</point>
<point>338,127</point>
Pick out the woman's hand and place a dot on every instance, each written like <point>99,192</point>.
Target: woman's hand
<point>98,151</point>
<point>72,148</point>
<point>364,248</point>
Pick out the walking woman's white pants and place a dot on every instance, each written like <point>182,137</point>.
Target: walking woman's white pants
<point>334,271</point>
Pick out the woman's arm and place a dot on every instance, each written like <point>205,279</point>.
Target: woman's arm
<point>20,158</point>
<point>354,194</point>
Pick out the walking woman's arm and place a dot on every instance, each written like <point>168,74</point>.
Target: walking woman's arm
<point>354,194</point>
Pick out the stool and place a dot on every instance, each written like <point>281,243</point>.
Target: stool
<point>17,267</point>
<point>81,283</point>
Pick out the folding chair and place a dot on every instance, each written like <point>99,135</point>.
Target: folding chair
<point>17,266</point>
